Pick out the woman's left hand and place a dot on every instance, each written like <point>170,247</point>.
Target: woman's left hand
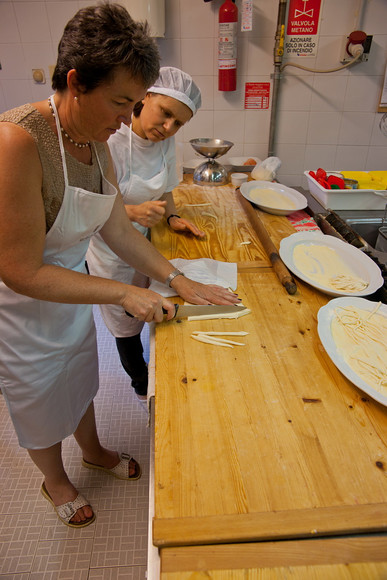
<point>182,225</point>
<point>197,293</point>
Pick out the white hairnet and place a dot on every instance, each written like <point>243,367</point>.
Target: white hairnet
<point>175,83</point>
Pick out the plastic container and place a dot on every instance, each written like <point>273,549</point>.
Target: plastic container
<point>238,178</point>
<point>345,198</point>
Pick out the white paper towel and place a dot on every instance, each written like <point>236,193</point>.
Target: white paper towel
<point>202,270</point>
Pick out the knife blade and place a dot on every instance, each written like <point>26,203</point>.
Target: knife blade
<point>186,310</point>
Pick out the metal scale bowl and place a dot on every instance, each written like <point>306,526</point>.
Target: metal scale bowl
<point>211,172</point>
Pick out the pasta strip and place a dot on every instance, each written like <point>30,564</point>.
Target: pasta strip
<point>209,340</point>
<point>347,283</point>
<point>224,340</point>
<point>210,215</point>
<point>209,337</point>
<point>215,333</point>
<point>237,314</point>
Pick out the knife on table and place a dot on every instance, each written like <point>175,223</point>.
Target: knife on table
<point>186,310</point>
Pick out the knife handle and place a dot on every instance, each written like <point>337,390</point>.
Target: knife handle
<point>164,311</point>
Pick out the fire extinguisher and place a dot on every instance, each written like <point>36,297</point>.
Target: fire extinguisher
<point>227,46</point>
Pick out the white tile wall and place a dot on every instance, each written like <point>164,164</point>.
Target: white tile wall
<point>257,125</point>
<point>59,13</point>
<point>170,51</point>
<point>12,61</point>
<point>9,29</point>
<point>323,127</point>
<point>328,92</point>
<point>322,119</point>
<point>362,93</point>
<point>322,155</point>
<point>32,21</point>
<point>193,23</point>
<point>296,94</point>
<point>356,128</point>
<point>292,127</point>
<point>376,158</point>
<point>16,92</point>
<point>350,156</point>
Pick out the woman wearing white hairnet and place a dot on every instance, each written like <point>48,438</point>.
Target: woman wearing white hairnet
<point>145,164</point>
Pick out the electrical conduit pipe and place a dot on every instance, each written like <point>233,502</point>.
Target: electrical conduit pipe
<point>278,54</point>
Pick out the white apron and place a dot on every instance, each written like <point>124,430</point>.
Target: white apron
<point>105,263</point>
<point>48,354</point>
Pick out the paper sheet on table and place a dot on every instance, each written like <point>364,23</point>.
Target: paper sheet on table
<point>202,270</point>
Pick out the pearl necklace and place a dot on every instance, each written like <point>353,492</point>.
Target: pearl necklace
<point>80,145</point>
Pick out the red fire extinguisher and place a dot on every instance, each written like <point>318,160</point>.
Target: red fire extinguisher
<point>227,46</point>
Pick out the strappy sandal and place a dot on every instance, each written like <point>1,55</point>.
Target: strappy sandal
<point>121,471</point>
<point>68,510</point>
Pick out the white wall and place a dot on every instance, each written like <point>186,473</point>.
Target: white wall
<point>326,120</point>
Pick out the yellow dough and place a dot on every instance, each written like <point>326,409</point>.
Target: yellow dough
<point>361,339</point>
<point>323,265</point>
<point>271,198</point>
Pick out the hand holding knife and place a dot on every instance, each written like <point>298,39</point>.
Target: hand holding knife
<point>201,300</point>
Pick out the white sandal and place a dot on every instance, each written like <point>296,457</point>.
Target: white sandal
<point>68,510</point>
<point>121,471</point>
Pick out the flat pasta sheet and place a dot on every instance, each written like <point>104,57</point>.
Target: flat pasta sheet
<point>360,265</point>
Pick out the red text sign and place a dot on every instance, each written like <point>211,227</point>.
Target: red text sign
<point>257,95</point>
<point>303,17</point>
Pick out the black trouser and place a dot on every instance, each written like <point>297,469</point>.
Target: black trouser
<point>131,351</point>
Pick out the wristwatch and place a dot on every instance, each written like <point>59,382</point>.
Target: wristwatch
<point>172,276</point>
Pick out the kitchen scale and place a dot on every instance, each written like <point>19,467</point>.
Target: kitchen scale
<point>211,172</point>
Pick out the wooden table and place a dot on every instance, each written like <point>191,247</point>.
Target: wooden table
<point>357,558</point>
<point>263,442</point>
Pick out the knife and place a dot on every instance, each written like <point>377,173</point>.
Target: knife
<point>186,310</point>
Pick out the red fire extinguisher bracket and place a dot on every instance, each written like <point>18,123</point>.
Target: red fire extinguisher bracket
<point>227,46</point>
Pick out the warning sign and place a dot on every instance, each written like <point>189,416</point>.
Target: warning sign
<point>301,33</point>
<point>257,95</point>
<point>303,17</point>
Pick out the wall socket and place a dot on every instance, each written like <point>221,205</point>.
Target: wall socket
<point>345,57</point>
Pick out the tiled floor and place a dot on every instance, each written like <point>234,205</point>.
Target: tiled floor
<point>34,544</point>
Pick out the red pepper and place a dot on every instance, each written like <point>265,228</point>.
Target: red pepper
<point>334,180</point>
<point>324,183</point>
<point>312,174</point>
<point>321,173</point>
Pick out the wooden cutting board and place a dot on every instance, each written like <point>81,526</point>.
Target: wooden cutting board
<point>230,237</point>
<point>265,430</point>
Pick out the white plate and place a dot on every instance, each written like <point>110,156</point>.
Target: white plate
<point>294,196</point>
<point>324,317</point>
<point>361,265</point>
<point>237,163</point>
